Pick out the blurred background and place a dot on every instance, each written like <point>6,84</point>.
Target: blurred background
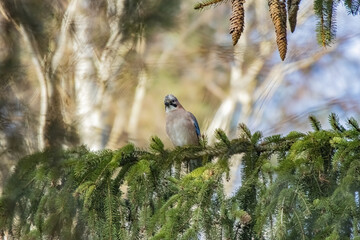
<point>95,72</point>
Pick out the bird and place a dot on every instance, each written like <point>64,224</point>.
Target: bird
<point>181,125</point>
<point>182,128</point>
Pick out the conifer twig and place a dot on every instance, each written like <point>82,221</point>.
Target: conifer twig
<point>353,123</point>
<point>326,27</point>
<point>245,131</point>
<point>315,123</point>
<point>334,122</point>
<point>353,6</point>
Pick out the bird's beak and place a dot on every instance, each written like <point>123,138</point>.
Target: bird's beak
<point>167,104</point>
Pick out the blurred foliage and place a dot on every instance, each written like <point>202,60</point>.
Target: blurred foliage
<point>311,191</point>
<point>146,17</point>
<point>39,17</point>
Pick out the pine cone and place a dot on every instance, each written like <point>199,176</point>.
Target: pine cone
<point>293,8</point>
<point>277,10</point>
<point>237,20</point>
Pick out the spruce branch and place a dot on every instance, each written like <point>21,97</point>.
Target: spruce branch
<point>320,29</point>
<point>352,6</point>
<point>256,137</point>
<point>354,124</point>
<point>335,124</point>
<point>316,126</point>
<point>326,28</point>
<point>274,139</point>
<point>244,131</point>
<point>109,211</point>
<point>203,141</point>
<point>330,18</point>
<point>237,20</point>
<point>307,180</point>
<point>277,10</point>
<point>221,136</point>
<point>211,151</point>
<point>157,145</point>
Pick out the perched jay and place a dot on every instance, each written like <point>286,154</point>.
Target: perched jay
<point>181,125</point>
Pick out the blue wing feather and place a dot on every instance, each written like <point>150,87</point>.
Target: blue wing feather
<point>196,124</point>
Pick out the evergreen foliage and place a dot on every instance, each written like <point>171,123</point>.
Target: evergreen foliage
<point>298,186</point>
<point>326,28</point>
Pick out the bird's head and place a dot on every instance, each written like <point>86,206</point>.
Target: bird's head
<point>171,103</point>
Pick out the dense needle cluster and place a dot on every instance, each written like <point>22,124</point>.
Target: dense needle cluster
<point>298,186</point>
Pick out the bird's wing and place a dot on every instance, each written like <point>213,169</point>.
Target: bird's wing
<point>196,124</point>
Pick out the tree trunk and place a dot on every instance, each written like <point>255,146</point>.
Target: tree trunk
<point>86,86</point>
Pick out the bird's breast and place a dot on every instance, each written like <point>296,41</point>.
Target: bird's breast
<point>181,129</point>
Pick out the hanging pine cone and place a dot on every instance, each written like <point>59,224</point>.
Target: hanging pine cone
<point>277,10</point>
<point>237,20</point>
<point>293,8</point>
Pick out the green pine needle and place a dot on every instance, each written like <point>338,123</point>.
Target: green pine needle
<point>302,185</point>
<point>354,124</point>
<point>244,131</point>
<point>157,145</point>
<point>335,124</point>
<point>221,136</point>
<point>315,124</point>
<point>325,10</point>
<point>352,6</point>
